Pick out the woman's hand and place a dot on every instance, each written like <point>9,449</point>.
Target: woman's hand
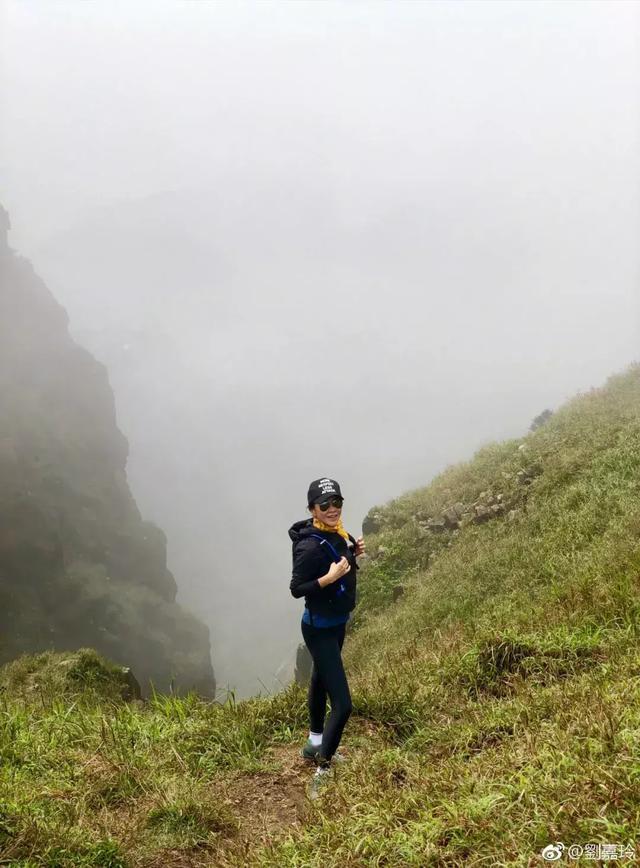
<point>337,570</point>
<point>360,546</point>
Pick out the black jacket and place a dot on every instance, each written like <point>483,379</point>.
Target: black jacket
<point>312,559</point>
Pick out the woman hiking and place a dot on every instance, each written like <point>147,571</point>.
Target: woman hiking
<point>324,572</point>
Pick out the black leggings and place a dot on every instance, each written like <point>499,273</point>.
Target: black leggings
<point>328,676</point>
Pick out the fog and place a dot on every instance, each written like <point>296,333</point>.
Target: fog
<point>352,239</point>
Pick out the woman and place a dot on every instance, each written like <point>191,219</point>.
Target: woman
<point>324,572</point>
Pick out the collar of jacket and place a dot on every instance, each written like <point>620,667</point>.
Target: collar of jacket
<point>301,529</point>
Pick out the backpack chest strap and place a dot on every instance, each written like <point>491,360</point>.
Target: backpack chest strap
<point>336,557</point>
<point>324,541</point>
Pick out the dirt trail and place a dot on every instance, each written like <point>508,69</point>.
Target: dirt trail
<point>267,804</point>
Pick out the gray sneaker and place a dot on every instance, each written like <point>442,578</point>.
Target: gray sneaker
<point>309,752</point>
<point>319,780</point>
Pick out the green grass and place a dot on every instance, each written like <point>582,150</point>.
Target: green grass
<point>496,703</point>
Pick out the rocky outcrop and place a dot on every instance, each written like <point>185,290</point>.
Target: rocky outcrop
<point>371,522</point>
<point>304,665</point>
<point>486,507</point>
<point>79,567</point>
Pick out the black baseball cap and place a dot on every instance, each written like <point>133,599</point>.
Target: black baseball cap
<point>321,488</point>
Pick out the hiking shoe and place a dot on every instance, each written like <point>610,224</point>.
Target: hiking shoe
<point>310,752</point>
<point>319,780</point>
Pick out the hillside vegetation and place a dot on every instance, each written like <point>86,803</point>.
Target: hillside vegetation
<point>496,701</point>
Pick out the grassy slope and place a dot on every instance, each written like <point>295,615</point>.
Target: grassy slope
<point>496,704</point>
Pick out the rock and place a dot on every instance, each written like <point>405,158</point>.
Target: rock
<point>131,689</point>
<point>304,665</point>
<point>526,475</point>
<point>436,525</point>
<point>482,514</point>
<point>450,518</point>
<point>371,523</point>
<point>541,419</point>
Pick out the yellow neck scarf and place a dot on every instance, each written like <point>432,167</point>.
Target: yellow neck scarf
<point>339,528</point>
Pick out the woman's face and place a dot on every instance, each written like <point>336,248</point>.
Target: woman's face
<point>331,516</point>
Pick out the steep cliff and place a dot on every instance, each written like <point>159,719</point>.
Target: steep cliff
<point>78,564</point>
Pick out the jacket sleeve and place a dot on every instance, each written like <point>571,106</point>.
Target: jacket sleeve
<point>309,563</point>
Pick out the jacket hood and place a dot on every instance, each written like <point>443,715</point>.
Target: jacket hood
<point>300,529</point>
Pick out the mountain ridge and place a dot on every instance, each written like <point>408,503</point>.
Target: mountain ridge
<point>79,565</point>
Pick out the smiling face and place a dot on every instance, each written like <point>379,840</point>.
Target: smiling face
<point>330,517</point>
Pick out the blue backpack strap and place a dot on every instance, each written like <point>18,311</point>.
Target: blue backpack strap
<point>323,540</point>
<point>336,557</point>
